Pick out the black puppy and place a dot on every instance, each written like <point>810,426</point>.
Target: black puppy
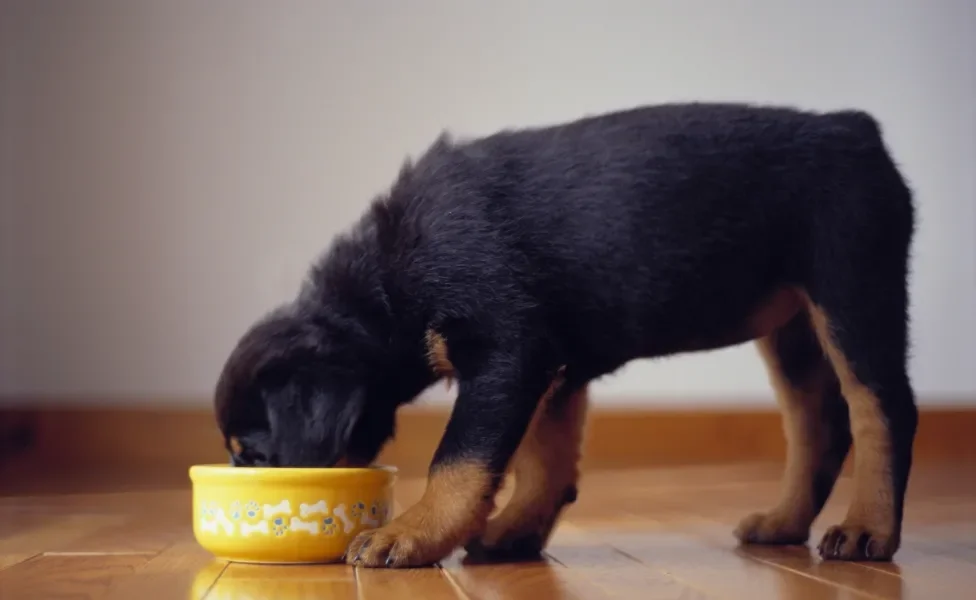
<point>528,263</point>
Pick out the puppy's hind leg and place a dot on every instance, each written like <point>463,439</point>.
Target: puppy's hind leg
<point>866,345</point>
<point>815,422</point>
<point>858,305</point>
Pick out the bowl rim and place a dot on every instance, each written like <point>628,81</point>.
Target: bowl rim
<point>226,472</point>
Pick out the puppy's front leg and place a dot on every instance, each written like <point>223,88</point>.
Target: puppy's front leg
<point>491,415</point>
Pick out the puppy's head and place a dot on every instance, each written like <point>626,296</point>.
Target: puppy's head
<point>292,394</point>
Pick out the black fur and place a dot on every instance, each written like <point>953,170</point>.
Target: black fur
<point>640,233</point>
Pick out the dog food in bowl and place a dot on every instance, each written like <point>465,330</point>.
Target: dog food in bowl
<point>287,515</point>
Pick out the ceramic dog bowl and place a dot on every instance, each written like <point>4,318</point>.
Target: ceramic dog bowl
<point>287,515</point>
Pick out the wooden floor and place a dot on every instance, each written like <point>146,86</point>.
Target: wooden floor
<point>635,534</point>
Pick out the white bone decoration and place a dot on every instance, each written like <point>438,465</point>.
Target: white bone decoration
<point>309,526</point>
<point>368,521</point>
<point>272,510</point>
<point>208,525</point>
<point>224,522</point>
<point>214,520</point>
<point>248,529</point>
<point>319,507</point>
<point>347,523</point>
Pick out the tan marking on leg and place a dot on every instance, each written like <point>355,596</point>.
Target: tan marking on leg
<point>546,472</point>
<point>872,508</point>
<point>768,316</point>
<point>806,443</point>
<point>437,356</point>
<point>774,312</point>
<point>454,509</point>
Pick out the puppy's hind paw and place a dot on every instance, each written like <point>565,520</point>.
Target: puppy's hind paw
<point>857,543</point>
<point>771,528</point>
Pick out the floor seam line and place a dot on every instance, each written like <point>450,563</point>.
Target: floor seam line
<point>706,591</point>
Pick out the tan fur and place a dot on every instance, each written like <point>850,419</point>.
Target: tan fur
<point>872,507</point>
<point>789,521</point>
<point>235,445</point>
<point>775,312</point>
<point>437,356</point>
<point>544,467</point>
<point>769,315</point>
<point>454,509</point>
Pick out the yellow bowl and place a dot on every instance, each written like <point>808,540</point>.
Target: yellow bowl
<point>287,515</point>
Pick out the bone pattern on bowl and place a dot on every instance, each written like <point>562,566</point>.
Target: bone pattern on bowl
<point>278,519</point>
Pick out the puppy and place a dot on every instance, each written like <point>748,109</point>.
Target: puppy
<point>528,263</point>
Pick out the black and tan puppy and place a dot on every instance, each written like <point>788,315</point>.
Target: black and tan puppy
<point>528,263</point>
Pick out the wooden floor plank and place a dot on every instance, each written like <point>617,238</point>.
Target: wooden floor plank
<point>537,580</point>
<point>617,574</point>
<point>718,572</point>
<point>956,539</point>
<point>136,535</point>
<point>35,534</point>
<point>854,579</point>
<point>181,567</point>
<point>428,583</point>
<point>931,570</point>
<point>293,582</point>
<point>851,577</point>
<point>80,577</point>
<point>658,533</point>
<point>930,562</point>
<point>10,559</point>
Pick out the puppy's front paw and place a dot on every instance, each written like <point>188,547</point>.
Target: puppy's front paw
<point>397,545</point>
<point>857,543</point>
<point>453,509</point>
<point>771,528</point>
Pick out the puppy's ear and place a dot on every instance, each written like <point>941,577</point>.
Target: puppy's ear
<point>312,427</point>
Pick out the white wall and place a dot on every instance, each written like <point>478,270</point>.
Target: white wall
<point>168,169</point>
